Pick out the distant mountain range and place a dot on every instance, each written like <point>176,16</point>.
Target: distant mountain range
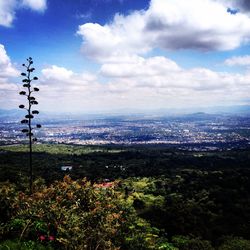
<point>203,112</point>
<point>229,109</point>
<point>10,113</point>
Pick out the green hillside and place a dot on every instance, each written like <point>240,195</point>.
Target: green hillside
<point>132,198</point>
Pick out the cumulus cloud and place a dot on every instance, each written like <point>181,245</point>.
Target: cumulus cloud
<point>139,66</point>
<point>238,61</point>
<point>57,73</point>
<point>6,67</point>
<point>146,83</point>
<point>134,79</point>
<point>8,89</point>
<point>37,5</point>
<point>61,74</point>
<point>7,12</point>
<point>178,24</point>
<point>77,91</point>
<point>171,24</point>
<point>163,73</point>
<point>8,9</point>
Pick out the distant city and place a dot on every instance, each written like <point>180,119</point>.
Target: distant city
<point>198,131</point>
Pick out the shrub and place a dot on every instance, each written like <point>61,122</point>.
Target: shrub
<point>8,201</point>
<point>187,243</point>
<point>27,245</point>
<point>78,215</point>
<point>235,243</point>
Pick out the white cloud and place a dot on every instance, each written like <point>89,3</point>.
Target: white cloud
<point>8,89</point>
<point>238,61</point>
<point>163,73</point>
<point>171,24</point>
<point>151,83</point>
<point>37,5</point>
<point>8,9</point>
<point>147,83</point>
<point>133,79</point>
<point>6,67</point>
<point>60,76</point>
<point>7,12</point>
<point>139,66</point>
<point>57,73</point>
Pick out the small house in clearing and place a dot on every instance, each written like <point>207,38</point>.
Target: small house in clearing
<point>66,168</point>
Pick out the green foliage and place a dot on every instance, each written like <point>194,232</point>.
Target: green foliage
<point>78,215</point>
<point>203,194</point>
<point>8,201</point>
<point>27,245</point>
<point>167,246</point>
<point>59,149</point>
<point>187,243</point>
<point>206,204</point>
<point>235,243</point>
<point>140,235</point>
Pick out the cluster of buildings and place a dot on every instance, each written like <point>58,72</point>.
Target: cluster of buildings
<point>133,132</point>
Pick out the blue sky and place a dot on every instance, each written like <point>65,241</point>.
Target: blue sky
<point>111,55</point>
<point>50,34</point>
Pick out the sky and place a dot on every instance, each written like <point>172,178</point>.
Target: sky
<point>125,55</point>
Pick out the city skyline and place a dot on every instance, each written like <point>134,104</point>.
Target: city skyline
<point>109,55</point>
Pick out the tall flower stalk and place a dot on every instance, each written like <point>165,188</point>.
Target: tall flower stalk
<point>31,102</point>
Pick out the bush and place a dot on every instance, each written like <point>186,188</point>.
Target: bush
<point>166,246</point>
<point>8,201</point>
<point>187,243</point>
<point>235,243</point>
<point>78,215</point>
<point>28,245</point>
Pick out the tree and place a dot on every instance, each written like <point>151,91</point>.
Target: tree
<point>29,90</point>
<point>235,243</point>
<point>70,215</point>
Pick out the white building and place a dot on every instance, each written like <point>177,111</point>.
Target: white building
<point>66,168</point>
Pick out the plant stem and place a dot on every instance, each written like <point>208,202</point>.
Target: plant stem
<point>30,139</point>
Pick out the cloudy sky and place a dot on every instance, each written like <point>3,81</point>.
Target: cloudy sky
<point>110,55</point>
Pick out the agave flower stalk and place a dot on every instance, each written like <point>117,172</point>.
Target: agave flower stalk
<point>31,102</point>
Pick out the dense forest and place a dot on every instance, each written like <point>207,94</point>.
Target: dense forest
<point>124,198</point>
